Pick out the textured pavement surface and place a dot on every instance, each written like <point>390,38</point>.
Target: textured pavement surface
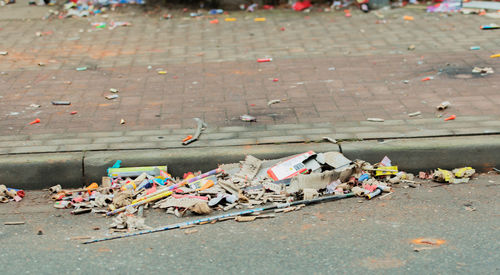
<point>343,237</point>
<point>333,73</point>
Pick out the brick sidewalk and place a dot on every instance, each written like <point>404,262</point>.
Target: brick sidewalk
<point>334,73</point>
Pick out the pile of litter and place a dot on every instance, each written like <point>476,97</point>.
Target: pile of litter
<point>253,186</point>
<point>10,194</point>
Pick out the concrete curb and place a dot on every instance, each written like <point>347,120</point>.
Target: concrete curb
<point>38,171</point>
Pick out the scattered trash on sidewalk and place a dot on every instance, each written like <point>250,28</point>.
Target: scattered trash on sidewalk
<point>215,11</point>
<point>427,243</point>
<point>427,78</point>
<point>475,48</point>
<point>301,5</point>
<point>495,55</point>
<point>200,127</point>
<point>39,34</point>
<point>490,27</point>
<point>250,8</point>
<point>375,119</point>
<point>81,69</point>
<point>110,97</point>
<point>260,19</point>
<point>10,194</point>
<point>452,117</point>
<point>482,70</point>
<point>415,114</point>
<point>329,139</point>
<point>443,105</point>
<point>128,222</point>
<point>35,121</point>
<point>113,25</point>
<point>262,60</point>
<point>445,6</point>
<point>248,118</point>
<point>408,18</point>
<point>4,53</point>
<point>273,101</point>
<point>458,175</point>
<point>61,102</point>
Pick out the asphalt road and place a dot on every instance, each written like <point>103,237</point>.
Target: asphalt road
<point>349,236</point>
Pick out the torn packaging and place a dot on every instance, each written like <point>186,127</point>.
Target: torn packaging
<point>458,175</point>
<point>309,162</point>
<point>201,208</point>
<point>325,161</point>
<point>310,193</point>
<point>128,221</point>
<point>180,203</point>
<point>290,167</point>
<point>336,160</point>
<point>249,168</point>
<point>123,198</point>
<point>316,181</point>
<point>223,198</point>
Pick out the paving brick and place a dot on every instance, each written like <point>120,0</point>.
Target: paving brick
<point>233,129</point>
<point>20,143</point>
<point>429,133</point>
<point>134,145</point>
<point>424,121</point>
<point>100,134</point>
<point>336,136</point>
<point>148,133</point>
<point>220,136</point>
<point>52,136</point>
<point>116,139</point>
<point>377,135</point>
<point>288,126</point>
<point>359,129</point>
<point>280,139</point>
<point>82,147</point>
<point>33,149</point>
<point>477,118</point>
<point>254,134</point>
<point>476,131</point>
<point>488,123</point>
<point>323,125</point>
<point>386,122</point>
<point>222,84</point>
<point>68,141</point>
<point>14,138</point>
<point>178,144</point>
<point>183,131</point>
<point>310,131</point>
<point>233,142</point>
